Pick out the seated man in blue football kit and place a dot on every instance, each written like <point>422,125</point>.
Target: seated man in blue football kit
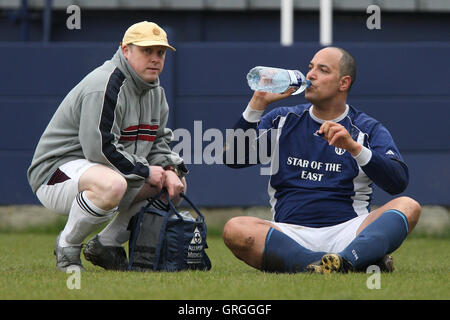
<point>325,155</point>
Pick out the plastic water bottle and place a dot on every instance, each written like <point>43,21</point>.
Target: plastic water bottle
<point>276,80</point>
<point>186,215</point>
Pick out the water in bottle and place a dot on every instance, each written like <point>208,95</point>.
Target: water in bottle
<point>276,80</point>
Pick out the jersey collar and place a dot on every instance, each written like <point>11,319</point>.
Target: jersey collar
<point>338,119</point>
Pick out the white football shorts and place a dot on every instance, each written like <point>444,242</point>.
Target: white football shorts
<point>332,239</point>
<point>61,187</point>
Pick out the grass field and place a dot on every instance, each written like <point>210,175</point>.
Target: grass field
<point>27,271</point>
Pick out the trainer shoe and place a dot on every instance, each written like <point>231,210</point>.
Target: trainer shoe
<point>107,257</point>
<point>386,264</point>
<point>330,263</point>
<point>314,267</point>
<point>67,256</point>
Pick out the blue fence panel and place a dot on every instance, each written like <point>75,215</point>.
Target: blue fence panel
<point>405,86</point>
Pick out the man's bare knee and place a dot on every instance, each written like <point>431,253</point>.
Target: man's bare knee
<point>245,237</point>
<point>115,190</point>
<point>412,210</point>
<point>110,192</point>
<point>245,234</point>
<point>104,187</point>
<point>231,232</point>
<point>237,233</point>
<point>408,206</point>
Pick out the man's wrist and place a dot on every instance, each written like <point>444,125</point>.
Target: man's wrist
<point>356,149</point>
<point>180,171</point>
<point>257,104</point>
<point>363,157</point>
<point>252,115</point>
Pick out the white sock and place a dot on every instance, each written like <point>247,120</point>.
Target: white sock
<point>115,233</point>
<point>84,217</point>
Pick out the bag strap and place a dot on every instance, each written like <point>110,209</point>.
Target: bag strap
<point>137,228</point>
<point>185,197</point>
<point>151,200</point>
<point>172,207</point>
<point>160,242</point>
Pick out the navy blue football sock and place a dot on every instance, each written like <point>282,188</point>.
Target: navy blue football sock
<point>379,238</point>
<point>282,254</point>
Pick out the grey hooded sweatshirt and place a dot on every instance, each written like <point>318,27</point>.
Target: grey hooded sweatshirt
<point>112,117</point>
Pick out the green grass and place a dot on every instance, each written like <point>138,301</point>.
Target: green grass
<point>27,271</point>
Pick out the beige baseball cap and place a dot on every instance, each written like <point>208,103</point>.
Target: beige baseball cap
<point>146,34</point>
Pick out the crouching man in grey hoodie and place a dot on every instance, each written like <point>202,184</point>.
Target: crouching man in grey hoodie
<point>106,150</point>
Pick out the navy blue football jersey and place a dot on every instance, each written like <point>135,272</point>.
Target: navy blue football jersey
<point>314,184</point>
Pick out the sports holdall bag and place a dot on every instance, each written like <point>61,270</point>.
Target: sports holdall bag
<point>167,240</point>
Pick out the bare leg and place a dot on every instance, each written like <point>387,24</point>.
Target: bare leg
<point>245,237</point>
<point>103,186</point>
<point>409,207</point>
<point>101,190</point>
